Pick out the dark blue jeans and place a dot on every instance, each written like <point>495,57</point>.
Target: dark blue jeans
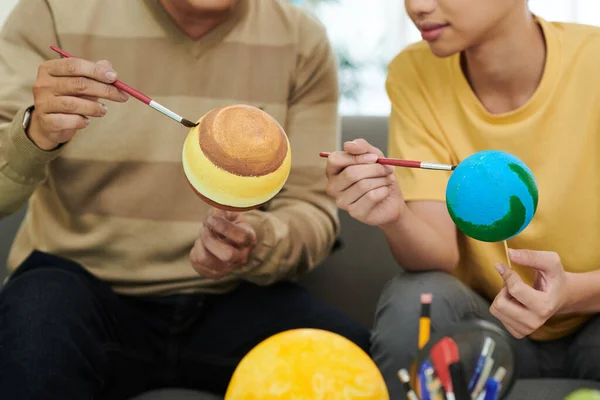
<point>64,334</point>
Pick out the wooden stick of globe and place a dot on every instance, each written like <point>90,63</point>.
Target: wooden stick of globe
<point>507,255</point>
<point>407,163</point>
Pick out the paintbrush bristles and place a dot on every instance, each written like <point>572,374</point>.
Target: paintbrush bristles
<point>188,123</point>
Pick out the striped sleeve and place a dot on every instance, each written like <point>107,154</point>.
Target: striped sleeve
<point>22,164</point>
<point>299,227</point>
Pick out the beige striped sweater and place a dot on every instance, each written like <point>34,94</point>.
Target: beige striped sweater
<point>115,198</point>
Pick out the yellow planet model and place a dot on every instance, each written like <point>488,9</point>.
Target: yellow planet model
<point>307,364</point>
<point>237,158</point>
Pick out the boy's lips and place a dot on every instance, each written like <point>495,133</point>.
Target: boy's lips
<point>431,30</point>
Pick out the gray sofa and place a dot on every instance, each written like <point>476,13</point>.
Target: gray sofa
<point>351,279</point>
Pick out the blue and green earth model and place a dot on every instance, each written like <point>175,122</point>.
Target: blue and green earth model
<point>492,196</point>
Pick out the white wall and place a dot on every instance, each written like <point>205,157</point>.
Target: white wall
<point>6,7</point>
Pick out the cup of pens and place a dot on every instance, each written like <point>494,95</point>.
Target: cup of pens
<point>474,360</point>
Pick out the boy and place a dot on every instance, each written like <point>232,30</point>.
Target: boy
<point>488,75</point>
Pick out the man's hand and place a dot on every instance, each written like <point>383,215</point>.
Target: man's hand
<point>523,308</point>
<point>368,191</point>
<point>65,94</point>
<point>224,246</point>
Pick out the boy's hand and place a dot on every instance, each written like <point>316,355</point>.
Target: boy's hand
<point>522,308</point>
<point>368,191</point>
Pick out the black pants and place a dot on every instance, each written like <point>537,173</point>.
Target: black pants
<point>64,334</point>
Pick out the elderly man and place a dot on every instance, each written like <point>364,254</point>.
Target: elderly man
<point>121,278</point>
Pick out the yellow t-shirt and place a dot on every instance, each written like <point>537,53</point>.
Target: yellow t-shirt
<point>437,117</point>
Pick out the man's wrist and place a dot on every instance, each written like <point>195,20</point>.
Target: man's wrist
<point>32,131</point>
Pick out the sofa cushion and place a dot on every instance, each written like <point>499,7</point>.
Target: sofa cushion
<point>353,277</point>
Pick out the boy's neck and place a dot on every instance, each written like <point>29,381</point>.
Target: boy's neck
<point>506,70</point>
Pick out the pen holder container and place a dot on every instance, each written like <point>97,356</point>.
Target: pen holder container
<point>486,352</point>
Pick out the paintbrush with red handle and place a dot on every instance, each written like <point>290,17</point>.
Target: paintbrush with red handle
<point>140,96</point>
<point>407,163</point>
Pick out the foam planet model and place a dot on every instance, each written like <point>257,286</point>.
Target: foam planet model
<point>237,158</point>
<point>307,364</point>
<point>492,196</point>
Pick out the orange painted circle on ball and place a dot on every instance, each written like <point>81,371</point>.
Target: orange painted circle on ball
<point>237,158</point>
<point>307,364</point>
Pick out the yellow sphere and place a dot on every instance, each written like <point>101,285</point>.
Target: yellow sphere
<point>303,364</point>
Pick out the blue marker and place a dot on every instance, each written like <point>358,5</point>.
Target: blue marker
<point>425,395</point>
<point>492,389</point>
<point>486,351</point>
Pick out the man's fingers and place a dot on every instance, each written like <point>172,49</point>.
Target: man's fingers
<point>106,64</point>
<point>205,263</point>
<point>79,71</point>
<point>75,105</point>
<point>229,215</point>
<point>199,256</point>
<point>82,86</point>
<point>90,98</point>
<point>239,235</point>
<point>225,252</point>
<point>540,260</point>
<point>71,67</point>
<point>64,123</point>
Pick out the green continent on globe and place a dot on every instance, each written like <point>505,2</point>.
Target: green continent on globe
<point>528,181</point>
<point>498,231</point>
